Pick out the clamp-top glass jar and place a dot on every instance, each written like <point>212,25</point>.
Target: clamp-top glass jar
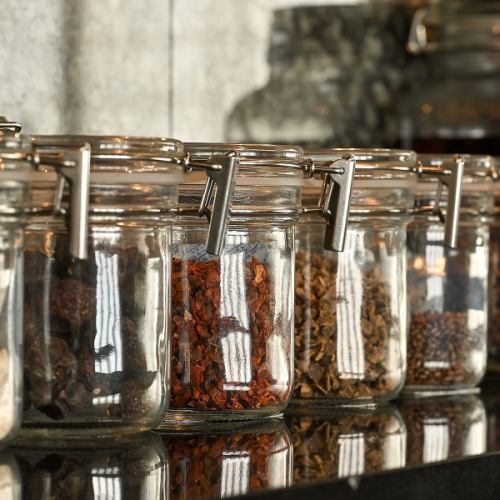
<point>447,287</point>
<point>15,166</point>
<point>350,308</point>
<point>97,307</point>
<point>232,316</point>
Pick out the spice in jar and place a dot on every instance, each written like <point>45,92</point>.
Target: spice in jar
<point>494,304</point>
<point>220,362</point>
<point>319,351</point>
<point>84,346</point>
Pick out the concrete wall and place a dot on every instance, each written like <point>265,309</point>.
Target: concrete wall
<point>147,67</point>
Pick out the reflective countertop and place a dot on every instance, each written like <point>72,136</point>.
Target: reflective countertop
<point>446,447</point>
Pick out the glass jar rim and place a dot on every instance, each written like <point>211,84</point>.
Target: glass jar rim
<point>376,160</point>
<point>476,167</point>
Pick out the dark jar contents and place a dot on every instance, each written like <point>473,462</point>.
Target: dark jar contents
<point>448,308</point>
<point>94,331</point>
<point>231,330</point>
<point>444,428</point>
<point>131,469</point>
<point>229,462</point>
<point>346,442</point>
<point>348,329</point>
<point>494,302</point>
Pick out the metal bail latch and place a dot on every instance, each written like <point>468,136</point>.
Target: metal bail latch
<point>72,164</point>
<point>8,126</point>
<point>450,174</point>
<point>335,200</point>
<point>221,171</point>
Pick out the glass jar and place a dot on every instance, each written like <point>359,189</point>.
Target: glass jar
<point>132,468</point>
<point>229,459</point>
<point>96,309</point>
<point>448,287</point>
<point>350,308</point>
<point>10,477</point>
<point>452,105</point>
<point>15,169</point>
<point>345,442</point>
<point>232,315</point>
<point>444,428</point>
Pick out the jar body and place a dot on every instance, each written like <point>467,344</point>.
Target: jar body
<point>448,290</point>
<point>346,442</point>
<point>494,302</point>
<point>444,428</point>
<point>350,314</point>
<point>219,464</point>
<point>11,313</point>
<point>96,329</point>
<point>232,322</point>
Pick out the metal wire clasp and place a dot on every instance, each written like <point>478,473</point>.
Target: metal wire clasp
<point>449,174</point>
<point>10,127</point>
<point>71,161</point>
<point>221,173</point>
<point>335,198</point>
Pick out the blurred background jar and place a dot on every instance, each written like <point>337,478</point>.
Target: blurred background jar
<point>134,468</point>
<point>232,315</point>
<point>443,428</point>
<point>454,102</point>
<point>229,459</point>
<point>448,287</point>
<point>350,307</point>
<point>346,442</point>
<point>96,323</point>
<point>15,168</point>
<point>334,74</point>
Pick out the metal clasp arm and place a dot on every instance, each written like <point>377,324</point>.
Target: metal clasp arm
<point>221,171</point>
<point>335,199</point>
<point>11,127</point>
<point>72,164</point>
<point>450,174</point>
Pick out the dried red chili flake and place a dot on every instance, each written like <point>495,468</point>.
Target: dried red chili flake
<point>201,372</point>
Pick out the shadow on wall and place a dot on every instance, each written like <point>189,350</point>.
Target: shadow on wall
<point>335,74</point>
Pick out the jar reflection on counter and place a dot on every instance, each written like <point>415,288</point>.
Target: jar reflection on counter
<point>232,315</point>
<point>350,308</point>
<point>10,477</point>
<point>96,328</point>
<point>229,459</point>
<point>448,288</point>
<point>346,442</point>
<point>443,428</point>
<point>134,468</point>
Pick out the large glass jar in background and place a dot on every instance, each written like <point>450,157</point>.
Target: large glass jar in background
<point>229,459</point>
<point>346,442</point>
<point>350,308</point>
<point>454,105</point>
<point>443,428</point>
<point>96,328</point>
<point>448,288</point>
<point>232,315</point>
<point>134,468</point>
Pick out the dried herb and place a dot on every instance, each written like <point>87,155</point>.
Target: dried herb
<point>83,334</point>
<point>441,349</point>
<point>225,465</point>
<point>323,314</point>
<point>345,444</point>
<point>443,428</point>
<point>218,363</point>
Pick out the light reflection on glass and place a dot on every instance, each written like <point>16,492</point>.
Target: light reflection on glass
<point>351,455</point>
<point>235,475</point>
